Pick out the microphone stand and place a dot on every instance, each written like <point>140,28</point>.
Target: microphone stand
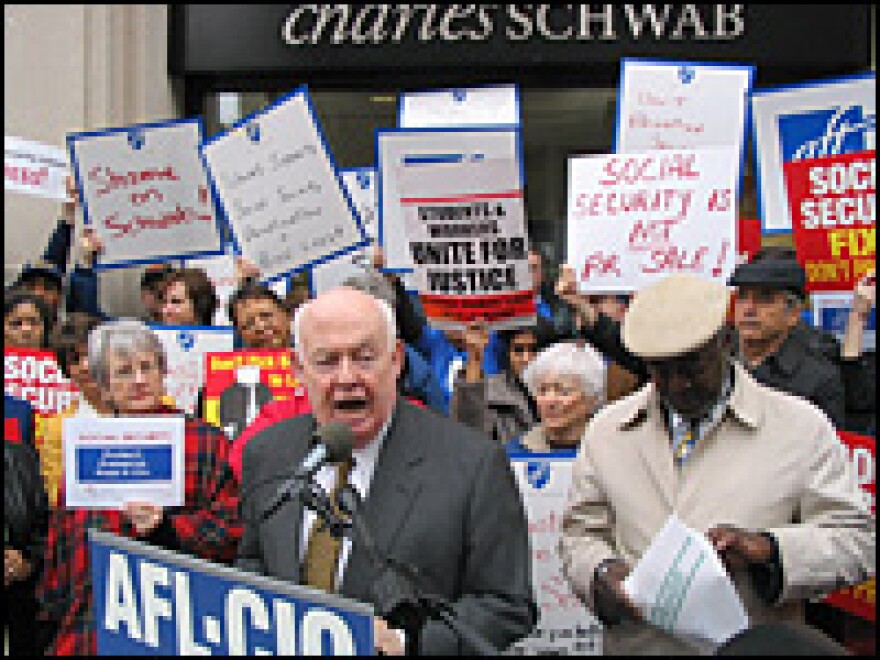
<point>398,599</point>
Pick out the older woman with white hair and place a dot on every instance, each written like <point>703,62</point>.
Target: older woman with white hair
<point>127,361</point>
<point>568,384</point>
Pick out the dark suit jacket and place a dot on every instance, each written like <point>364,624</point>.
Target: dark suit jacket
<point>234,405</point>
<point>443,499</point>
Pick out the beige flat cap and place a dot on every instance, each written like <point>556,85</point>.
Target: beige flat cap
<point>677,316</point>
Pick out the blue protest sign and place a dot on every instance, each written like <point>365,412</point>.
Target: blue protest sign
<point>149,601</point>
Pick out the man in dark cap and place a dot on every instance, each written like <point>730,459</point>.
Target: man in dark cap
<point>775,345</point>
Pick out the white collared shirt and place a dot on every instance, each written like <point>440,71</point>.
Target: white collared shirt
<point>360,477</point>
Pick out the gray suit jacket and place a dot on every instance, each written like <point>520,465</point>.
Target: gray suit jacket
<point>443,499</point>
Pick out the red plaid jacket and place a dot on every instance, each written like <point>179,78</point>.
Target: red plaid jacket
<point>207,526</point>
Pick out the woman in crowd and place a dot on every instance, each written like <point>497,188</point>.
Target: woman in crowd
<point>25,518</point>
<point>127,361</point>
<point>26,321</point>
<point>568,384</point>
<point>500,405</point>
<point>188,298</point>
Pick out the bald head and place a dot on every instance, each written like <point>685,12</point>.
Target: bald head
<point>349,359</point>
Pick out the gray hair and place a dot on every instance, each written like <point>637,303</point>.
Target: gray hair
<point>583,364</point>
<point>127,337</point>
<point>386,312</point>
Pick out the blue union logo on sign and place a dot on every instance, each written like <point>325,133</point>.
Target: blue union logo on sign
<point>830,132</point>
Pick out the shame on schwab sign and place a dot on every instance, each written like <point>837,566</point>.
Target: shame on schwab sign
<point>235,39</point>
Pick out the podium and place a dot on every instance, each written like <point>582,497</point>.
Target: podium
<point>150,601</point>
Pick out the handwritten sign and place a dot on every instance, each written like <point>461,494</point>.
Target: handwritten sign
<point>258,376</point>
<point>185,350</point>
<point>112,461</point>
<point>153,602</point>
<point>805,122</point>
<point>363,188</point>
<point>34,169</point>
<point>472,107</point>
<point>281,191</point>
<point>862,453</point>
<point>145,191</point>
<point>457,197</point>
<point>682,105</point>
<point>834,214</point>
<point>636,219</point>
<point>565,626</point>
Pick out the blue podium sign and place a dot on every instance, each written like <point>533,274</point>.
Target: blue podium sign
<point>149,601</point>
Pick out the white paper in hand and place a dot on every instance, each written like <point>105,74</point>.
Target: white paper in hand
<point>681,586</point>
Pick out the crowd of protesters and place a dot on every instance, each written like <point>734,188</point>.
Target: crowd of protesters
<point>536,389</point>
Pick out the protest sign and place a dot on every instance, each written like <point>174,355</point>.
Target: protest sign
<point>145,191</point>
<point>36,377</point>
<point>682,105</point>
<point>831,313</point>
<point>565,625</point>
<point>457,198</point>
<point>803,122</point>
<point>362,186</point>
<point>34,169</point>
<point>149,601</point>
<point>221,271</point>
<point>185,350</point>
<point>636,219</point>
<point>281,191</point>
<point>239,384</point>
<point>472,107</point>
<point>749,239</point>
<point>833,203</point>
<point>861,452</point>
<point>112,461</point>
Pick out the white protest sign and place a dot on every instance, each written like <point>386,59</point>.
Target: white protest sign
<point>362,186</point>
<point>457,199</point>
<point>471,107</point>
<point>146,193</point>
<point>280,189</point>
<point>185,350</point>
<point>221,271</point>
<point>109,462</point>
<point>831,313</point>
<point>682,105</point>
<point>802,122</point>
<point>565,625</point>
<point>681,587</point>
<point>633,220</point>
<point>34,169</point>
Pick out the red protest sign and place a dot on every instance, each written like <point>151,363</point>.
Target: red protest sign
<point>36,377</point>
<point>833,209</point>
<point>860,600</point>
<point>12,430</point>
<point>749,239</point>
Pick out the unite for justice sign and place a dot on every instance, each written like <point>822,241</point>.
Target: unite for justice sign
<point>457,196</point>
<point>636,219</point>
<point>834,216</point>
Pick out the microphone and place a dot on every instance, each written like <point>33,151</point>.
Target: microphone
<point>333,443</point>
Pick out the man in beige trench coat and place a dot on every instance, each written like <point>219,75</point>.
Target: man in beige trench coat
<point>761,473</point>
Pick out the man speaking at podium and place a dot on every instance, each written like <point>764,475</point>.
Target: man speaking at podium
<point>436,496</point>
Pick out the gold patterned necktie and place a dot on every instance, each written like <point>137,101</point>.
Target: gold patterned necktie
<point>322,553</point>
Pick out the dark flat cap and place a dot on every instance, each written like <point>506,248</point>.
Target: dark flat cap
<point>776,275</point>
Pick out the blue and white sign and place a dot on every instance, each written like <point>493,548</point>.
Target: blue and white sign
<point>185,349</point>
<point>682,105</point>
<point>281,191</point>
<point>145,191</point>
<point>111,461</point>
<point>152,602</point>
<point>467,107</point>
<point>813,120</point>
<point>565,626</point>
<point>831,313</point>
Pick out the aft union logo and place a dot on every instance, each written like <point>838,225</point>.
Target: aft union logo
<point>365,180</point>
<point>829,132</point>
<point>538,474</point>
<point>136,139</point>
<point>460,95</point>
<point>253,132</point>
<point>186,340</point>
<point>687,75</point>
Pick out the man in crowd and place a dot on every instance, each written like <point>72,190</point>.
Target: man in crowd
<point>761,473</point>
<point>437,496</point>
